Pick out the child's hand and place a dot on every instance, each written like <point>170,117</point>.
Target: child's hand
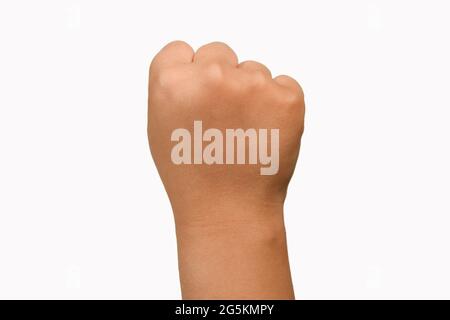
<point>210,86</point>
<point>232,203</point>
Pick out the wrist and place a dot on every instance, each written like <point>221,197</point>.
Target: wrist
<point>236,255</point>
<point>222,213</point>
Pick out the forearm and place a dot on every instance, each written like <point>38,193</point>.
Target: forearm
<point>235,259</point>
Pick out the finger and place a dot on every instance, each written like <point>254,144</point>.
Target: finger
<point>216,52</point>
<point>289,83</point>
<point>253,66</point>
<point>176,52</point>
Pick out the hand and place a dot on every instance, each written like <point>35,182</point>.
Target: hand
<point>216,204</point>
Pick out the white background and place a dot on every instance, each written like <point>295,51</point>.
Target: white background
<point>83,213</point>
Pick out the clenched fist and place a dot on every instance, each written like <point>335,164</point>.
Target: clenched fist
<point>225,137</point>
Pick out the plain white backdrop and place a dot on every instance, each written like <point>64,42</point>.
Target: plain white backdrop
<point>83,213</point>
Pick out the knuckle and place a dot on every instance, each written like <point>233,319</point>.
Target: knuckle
<point>293,98</point>
<point>166,77</point>
<point>214,73</point>
<point>169,51</point>
<point>218,45</point>
<point>177,43</point>
<point>259,78</point>
<point>165,82</point>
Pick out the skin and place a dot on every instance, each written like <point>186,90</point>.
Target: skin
<point>229,218</point>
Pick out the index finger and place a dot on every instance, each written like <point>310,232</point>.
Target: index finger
<point>176,52</point>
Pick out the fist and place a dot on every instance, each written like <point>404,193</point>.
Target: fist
<point>223,134</point>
